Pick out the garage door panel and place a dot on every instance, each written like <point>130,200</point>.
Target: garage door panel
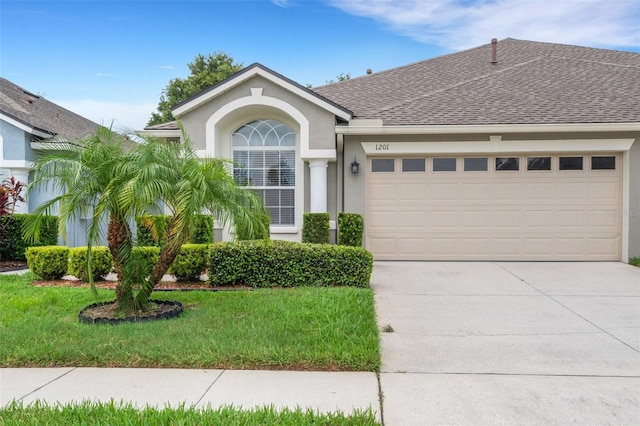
<point>413,192</point>
<point>416,220</point>
<point>540,191</point>
<point>507,219</point>
<point>444,220</point>
<point>475,219</point>
<point>444,191</point>
<point>476,191</point>
<point>571,218</point>
<point>605,191</point>
<point>507,191</point>
<point>515,215</point>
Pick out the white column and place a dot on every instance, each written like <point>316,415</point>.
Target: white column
<point>318,185</point>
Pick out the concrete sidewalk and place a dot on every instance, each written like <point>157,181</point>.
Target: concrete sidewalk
<point>323,392</point>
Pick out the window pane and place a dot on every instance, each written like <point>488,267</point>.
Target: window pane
<point>603,163</point>
<point>507,163</point>
<point>413,165</point>
<point>539,163</point>
<point>476,164</point>
<point>256,177</point>
<point>382,165</point>
<point>570,163</point>
<point>444,164</point>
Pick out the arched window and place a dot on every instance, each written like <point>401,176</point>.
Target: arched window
<point>264,152</point>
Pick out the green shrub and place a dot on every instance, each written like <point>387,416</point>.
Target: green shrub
<point>49,262</point>
<point>151,230</point>
<point>101,262</point>
<point>203,230</point>
<point>145,258</point>
<point>13,245</point>
<point>315,228</point>
<point>261,233</point>
<point>635,261</point>
<point>288,264</point>
<point>350,229</point>
<point>190,262</point>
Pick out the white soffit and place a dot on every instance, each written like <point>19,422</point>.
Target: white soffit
<point>257,71</point>
<point>367,129</point>
<point>498,146</point>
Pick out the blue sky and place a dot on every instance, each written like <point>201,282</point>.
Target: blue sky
<point>110,60</point>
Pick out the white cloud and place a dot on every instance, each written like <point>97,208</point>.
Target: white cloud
<point>281,3</point>
<point>124,116</point>
<point>105,74</point>
<point>459,24</point>
<point>165,67</point>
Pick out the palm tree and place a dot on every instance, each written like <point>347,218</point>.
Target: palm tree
<point>107,176</point>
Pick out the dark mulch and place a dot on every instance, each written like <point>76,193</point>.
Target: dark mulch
<point>12,265</point>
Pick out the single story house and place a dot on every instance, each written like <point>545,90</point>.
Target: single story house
<point>27,123</point>
<point>514,150</point>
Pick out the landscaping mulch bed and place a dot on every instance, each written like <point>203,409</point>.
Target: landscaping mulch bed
<point>12,265</point>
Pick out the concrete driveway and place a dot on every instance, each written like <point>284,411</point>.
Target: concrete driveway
<point>509,342</point>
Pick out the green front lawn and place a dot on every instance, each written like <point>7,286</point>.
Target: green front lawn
<point>116,414</point>
<point>326,328</point>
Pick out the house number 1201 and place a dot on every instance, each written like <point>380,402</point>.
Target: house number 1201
<point>382,147</point>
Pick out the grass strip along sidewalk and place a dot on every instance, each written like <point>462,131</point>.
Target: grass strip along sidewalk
<point>120,414</point>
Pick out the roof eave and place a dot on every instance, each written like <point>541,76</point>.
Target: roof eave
<point>259,70</point>
<point>24,126</point>
<point>485,128</point>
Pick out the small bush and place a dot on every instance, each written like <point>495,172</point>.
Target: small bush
<point>13,245</point>
<point>101,262</point>
<point>151,230</point>
<point>190,262</point>
<point>350,229</point>
<point>261,233</point>
<point>203,230</point>
<point>288,264</point>
<point>315,228</point>
<point>635,261</point>
<point>49,262</point>
<point>145,259</point>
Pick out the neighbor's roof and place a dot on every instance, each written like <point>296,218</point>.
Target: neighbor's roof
<point>531,83</point>
<point>41,115</point>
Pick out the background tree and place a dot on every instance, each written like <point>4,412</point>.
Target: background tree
<point>205,72</point>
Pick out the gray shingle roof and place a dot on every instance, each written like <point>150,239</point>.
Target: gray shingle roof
<point>532,83</point>
<point>35,111</point>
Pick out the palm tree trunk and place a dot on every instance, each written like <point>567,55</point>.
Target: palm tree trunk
<point>117,234</point>
<point>168,254</point>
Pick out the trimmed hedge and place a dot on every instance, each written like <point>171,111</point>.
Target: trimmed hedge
<point>350,229</point>
<point>145,259</point>
<point>243,234</point>
<point>202,230</point>
<point>49,262</point>
<point>191,262</point>
<point>315,228</point>
<point>101,262</point>
<point>13,246</point>
<point>288,264</point>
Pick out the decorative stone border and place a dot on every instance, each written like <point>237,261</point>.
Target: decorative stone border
<point>177,309</point>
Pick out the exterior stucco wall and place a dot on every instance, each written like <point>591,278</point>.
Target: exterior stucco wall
<point>14,143</point>
<point>321,122</point>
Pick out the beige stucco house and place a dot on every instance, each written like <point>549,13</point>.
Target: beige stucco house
<point>514,150</point>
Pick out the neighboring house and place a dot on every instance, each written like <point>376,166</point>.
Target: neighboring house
<point>511,151</point>
<point>27,122</point>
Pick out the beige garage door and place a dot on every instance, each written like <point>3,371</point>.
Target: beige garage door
<point>522,207</point>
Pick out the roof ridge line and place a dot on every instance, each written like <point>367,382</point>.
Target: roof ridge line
<point>595,62</point>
